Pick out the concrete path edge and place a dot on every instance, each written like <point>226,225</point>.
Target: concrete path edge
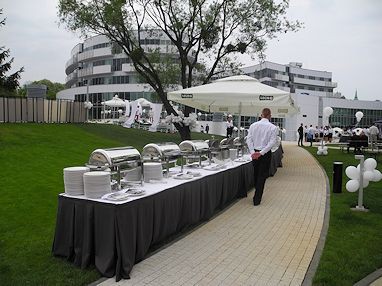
<point>308,279</point>
<point>370,278</point>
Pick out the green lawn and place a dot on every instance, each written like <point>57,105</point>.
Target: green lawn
<point>32,158</point>
<point>353,244</point>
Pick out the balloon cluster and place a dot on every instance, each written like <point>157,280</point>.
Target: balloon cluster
<point>322,150</point>
<point>359,116</point>
<point>370,174</point>
<point>328,111</point>
<point>88,105</point>
<point>191,120</point>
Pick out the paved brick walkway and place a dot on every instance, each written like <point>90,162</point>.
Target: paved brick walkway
<point>271,244</point>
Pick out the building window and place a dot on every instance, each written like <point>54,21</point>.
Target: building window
<point>304,115</point>
<point>98,81</point>
<point>120,79</point>
<point>117,64</point>
<point>312,77</point>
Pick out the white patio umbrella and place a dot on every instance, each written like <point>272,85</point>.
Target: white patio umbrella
<point>115,102</point>
<point>143,102</point>
<point>242,95</point>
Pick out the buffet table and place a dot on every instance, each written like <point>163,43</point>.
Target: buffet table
<point>114,236</point>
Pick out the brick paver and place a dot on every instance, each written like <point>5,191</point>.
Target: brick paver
<point>270,244</point>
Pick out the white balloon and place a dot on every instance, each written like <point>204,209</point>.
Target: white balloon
<point>377,176</point>
<point>325,148</point>
<point>352,186</point>
<point>368,175</point>
<point>320,148</point>
<point>359,167</point>
<point>319,152</point>
<point>352,172</point>
<point>325,152</point>
<point>359,114</point>
<point>328,111</point>
<point>370,164</point>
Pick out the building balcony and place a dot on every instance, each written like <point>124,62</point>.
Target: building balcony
<point>319,83</point>
<point>85,72</point>
<point>281,77</point>
<point>71,65</point>
<point>102,69</point>
<point>128,68</point>
<point>330,84</point>
<point>71,78</point>
<point>94,54</point>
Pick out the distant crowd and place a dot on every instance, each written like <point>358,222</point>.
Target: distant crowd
<point>325,133</point>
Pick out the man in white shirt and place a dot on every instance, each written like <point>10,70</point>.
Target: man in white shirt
<point>261,137</point>
<point>229,126</point>
<point>373,131</point>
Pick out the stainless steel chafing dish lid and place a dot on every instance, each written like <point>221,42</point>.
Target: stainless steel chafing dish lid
<point>114,156</point>
<point>226,142</point>
<point>213,144</point>
<point>194,146</point>
<point>238,141</point>
<point>161,150</point>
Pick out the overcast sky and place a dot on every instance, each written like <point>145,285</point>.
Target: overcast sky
<point>340,36</point>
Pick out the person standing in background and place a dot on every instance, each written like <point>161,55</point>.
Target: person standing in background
<point>207,128</point>
<point>373,131</point>
<point>300,135</point>
<point>229,126</point>
<point>262,135</point>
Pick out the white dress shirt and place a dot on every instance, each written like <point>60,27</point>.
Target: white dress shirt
<point>229,124</point>
<point>261,136</point>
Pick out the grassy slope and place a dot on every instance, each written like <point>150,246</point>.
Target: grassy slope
<point>353,244</point>
<point>33,156</point>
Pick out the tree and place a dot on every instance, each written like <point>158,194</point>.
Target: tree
<point>52,88</point>
<point>205,33</point>
<point>8,84</point>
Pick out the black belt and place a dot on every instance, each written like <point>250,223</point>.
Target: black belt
<point>257,150</point>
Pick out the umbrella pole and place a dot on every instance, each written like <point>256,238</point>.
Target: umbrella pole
<point>239,121</point>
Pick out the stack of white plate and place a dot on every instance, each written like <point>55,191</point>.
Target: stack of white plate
<point>96,184</point>
<point>133,175</point>
<point>73,180</point>
<point>152,171</point>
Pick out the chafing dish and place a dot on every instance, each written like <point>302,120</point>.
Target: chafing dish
<point>167,153</point>
<point>215,149</point>
<point>225,145</point>
<point>239,143</point>
<point>117,159</point>
<point>193,150</point>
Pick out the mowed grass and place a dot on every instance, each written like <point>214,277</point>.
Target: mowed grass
<point>32,159</point>
<point>353,244</point>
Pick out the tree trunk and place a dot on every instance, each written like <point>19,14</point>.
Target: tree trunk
<point>184,131</point>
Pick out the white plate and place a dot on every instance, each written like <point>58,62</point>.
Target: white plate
<point>193,173</point>
<point>183,177</point>
<point>135,192</point>
<point>116,197</point>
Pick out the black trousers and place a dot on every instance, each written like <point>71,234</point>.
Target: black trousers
<point>261,172</point>
<point>229,131</point>
<point>300,137</point>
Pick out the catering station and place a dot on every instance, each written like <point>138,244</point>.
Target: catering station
<point>123,202</point>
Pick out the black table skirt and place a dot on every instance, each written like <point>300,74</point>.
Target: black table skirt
<point>115,237</point>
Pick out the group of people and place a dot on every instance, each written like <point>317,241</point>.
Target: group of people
<point>313,134</point>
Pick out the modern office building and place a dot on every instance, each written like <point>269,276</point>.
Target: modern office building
<point>293,78</point>
<point>98,69</point>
